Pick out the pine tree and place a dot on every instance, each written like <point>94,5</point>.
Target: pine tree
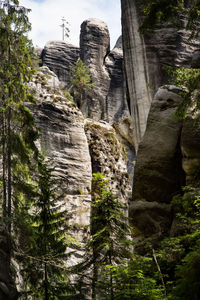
<point>46,273</point>
<point>109,243</point>
<point>18,132</point>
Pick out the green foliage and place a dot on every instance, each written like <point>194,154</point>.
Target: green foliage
<point>170,11</point>
<point>160,10</point>
<point>178,256</point>
<point>46,272</point>
<point>188,81</point>
<point>81,80</point>
<point>110,268</point>
<point>69,97</point>
<point>131,280</point>
<point>30,200</point>
<point>17,127</point>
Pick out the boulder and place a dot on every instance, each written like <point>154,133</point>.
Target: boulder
<point>158,172</point>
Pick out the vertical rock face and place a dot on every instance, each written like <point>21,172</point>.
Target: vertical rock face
<point>59,56</point>
<point>158,171</point>
<point>94,46</point>
<point>109,157</point>
<point>145,56</point>
<point>136,68</point>
<point>65,144</point>
<point>108,100</point>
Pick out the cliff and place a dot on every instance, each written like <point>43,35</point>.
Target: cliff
<point>167,148</point>
<point>145,56</point>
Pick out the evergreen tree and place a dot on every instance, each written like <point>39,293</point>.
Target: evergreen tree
<point>46,271</point>
<point>109,243</point>
<point>18,132</point>
<point>81,81</point>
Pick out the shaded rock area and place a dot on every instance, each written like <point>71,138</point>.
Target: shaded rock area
<point>107,100</point>
<point>158,171</point>
<point>109,156</point>
<point>144,59</point>
<point>190,147</point>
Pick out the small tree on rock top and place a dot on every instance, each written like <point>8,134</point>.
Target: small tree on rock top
<point>81,81</point>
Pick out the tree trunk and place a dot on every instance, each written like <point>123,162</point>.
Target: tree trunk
<point>9,172</point>
<point>4,191</point>
<point>46,282</point>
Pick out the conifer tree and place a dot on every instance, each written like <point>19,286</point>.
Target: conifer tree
<point>109,243</point>
<point>18,132</point>
<point>81,81</point>
<point>46,275</point>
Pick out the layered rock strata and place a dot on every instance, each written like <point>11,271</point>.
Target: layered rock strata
<point>59,57</point>
<point>64,141</point>
<point>107,99</point>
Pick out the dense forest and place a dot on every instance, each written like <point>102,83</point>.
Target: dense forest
<point>36,236</point>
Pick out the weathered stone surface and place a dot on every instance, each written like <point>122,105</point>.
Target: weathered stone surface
<point>136,68</point>
<point>109,156</point>
<point>116,103</point>
<point>145,56</point>
<point>108,100</point>
<point>59,56</point>
<point>94,46</point>
<point>65,143</point>
<point>158,172</point>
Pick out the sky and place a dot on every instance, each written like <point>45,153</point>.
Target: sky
<point>46,15</point>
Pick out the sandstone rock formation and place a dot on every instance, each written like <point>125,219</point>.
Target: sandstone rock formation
<point>109,157</point>
<point>158,171</point>
<point>78,147</point>
<point>107,100</point>
<point>59,56</point>
<point>145,56</point>
<point>65,144</point>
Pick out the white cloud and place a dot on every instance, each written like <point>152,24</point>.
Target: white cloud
<point>46,18</point>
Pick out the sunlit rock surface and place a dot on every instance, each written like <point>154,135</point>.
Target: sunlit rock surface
<point>64,142</point>
<point>60,56</point>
